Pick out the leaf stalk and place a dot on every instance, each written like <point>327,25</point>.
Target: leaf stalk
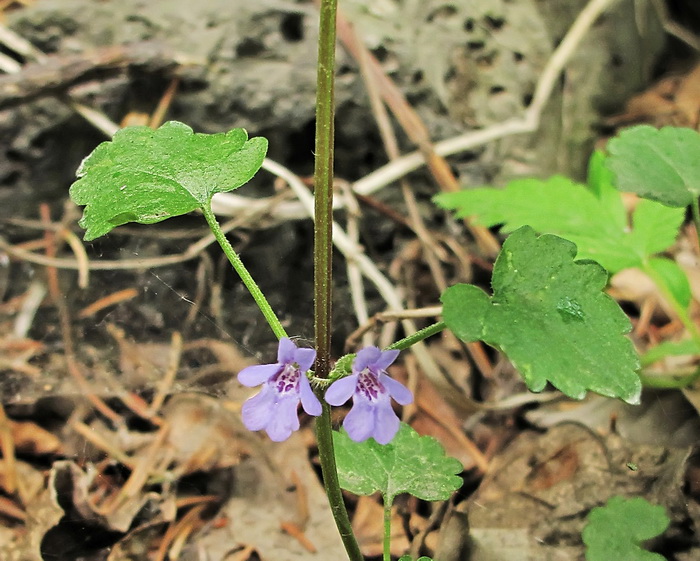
<point>247,279</point>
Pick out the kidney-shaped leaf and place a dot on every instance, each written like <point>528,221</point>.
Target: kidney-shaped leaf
<point>614,531</point>
<point>145,175</point>
<point>550,317</point>
<point>410,463</point>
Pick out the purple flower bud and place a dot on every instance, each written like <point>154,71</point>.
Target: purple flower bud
<point>371,390</point>
<point>284,384</point>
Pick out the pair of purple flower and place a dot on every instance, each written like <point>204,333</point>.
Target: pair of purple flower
<point>274,408</point>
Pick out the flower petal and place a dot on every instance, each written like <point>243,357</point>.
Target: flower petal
<point>252,376</point>
<point>257,409</point>
<point>397,390</point>
<point>309,401</point>
<point>304,358</point>
<point>284,420</point>
<point>359,423</point>
<point>386,358</point>
<point>341,390</point>
<point>387,423</point>
<point>365,358</point>
<point>286,350</point>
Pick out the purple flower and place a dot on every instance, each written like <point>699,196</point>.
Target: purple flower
<point>274,407</point>
<point>371,390</point>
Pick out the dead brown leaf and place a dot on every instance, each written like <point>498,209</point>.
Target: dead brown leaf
<point>32,439</point>
<point>42,513</point>
<point>542,487</point>
<point>203,434</point>
<point>671,101</point>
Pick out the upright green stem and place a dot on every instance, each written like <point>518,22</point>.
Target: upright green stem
<point>387,529</point>
<point>248,281</point>
<point>323,251</point>
<point>326,454</point>
<point>323,187</point>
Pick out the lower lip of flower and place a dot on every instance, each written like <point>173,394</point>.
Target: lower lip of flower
<point>287,381</point>
<point>369,386</point>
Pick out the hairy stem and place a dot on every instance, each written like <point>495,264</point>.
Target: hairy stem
<point>323,187</point>
<point>326,455</point>
<point>323,253</point>
<point>248,280</point>
<point>424,333</point>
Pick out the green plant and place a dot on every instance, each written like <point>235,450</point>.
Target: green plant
<point>548,312</point>
<point>594,218</point>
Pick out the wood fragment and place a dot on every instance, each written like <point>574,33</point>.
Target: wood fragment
<point>11,510</point>
<point>109,300</point>
<point>298,534</point>
<point>7,446</point>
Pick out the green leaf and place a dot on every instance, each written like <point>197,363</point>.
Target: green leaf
<point>614,531</point>
<point>655,228</point>
<point>410,463</point>
<point>600,182</point>
<point>407,557</point>
<point>594,219</point>
<point>550,316</point>
<point>669,274</point>
<point>458,298</point>
<point>662,165</point>
<point>145,175</point>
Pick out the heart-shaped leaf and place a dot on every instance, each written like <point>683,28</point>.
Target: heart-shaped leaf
<point>550,317</point>
<point>145,175</point>
<point>410,463</point>
<point>615,531</point>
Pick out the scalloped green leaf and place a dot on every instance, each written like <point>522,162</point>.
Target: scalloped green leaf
<point>410,463</point>
<point>616,530</point>
<point>145,175</point>
<point>593,218</point>
<point>659,164</point>
<point>549,315</point>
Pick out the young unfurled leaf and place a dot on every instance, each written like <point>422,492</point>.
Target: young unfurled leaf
<point>614,531</point>
<point>145,175</point>
<point>410,463</point>
<point>550,317</point>
<point>658,164</point>
<point>594,219</point>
